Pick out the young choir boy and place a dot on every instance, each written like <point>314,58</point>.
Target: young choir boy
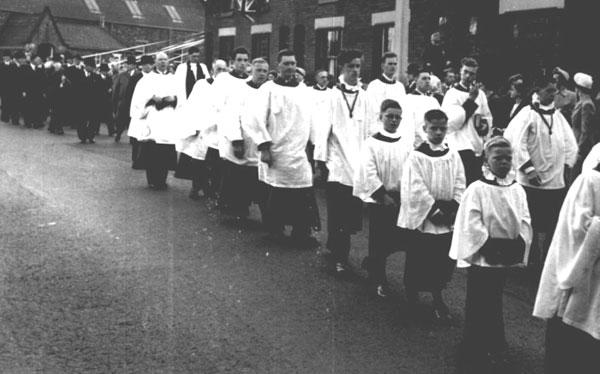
<point>492,232</point>
<point>433,181</point>
<point>377,182</point>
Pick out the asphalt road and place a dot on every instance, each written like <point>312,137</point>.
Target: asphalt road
<point>99,274</point>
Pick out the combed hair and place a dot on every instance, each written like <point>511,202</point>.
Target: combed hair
<point>285,52</point>
<point>435,114</point>
<point>387,55</point>
<point>239,51</point>
<point>389,104</point>
<point>496,142</point>
<point>469,62</point>
<point>259,60</point>
<point>348,55</point>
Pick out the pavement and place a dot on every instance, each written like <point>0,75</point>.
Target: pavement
<point>100,274</point>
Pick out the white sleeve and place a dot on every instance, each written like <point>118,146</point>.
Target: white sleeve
<point>256,123</point>
<point>453,107</point>
<point>324,125</point>
<point>139,99</point>
<point>366,178</point>
<point>470,233</point>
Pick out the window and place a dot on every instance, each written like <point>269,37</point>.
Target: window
<point>260,45</point>
<point>173,13</point>
<point>92,6</point>
<point>284,37</point>
<point>134,8</point>
<point>299,46</point>
<point>328,44</point>
<point>226,6</point>
<point>383,40</point>
<point>226,47</point>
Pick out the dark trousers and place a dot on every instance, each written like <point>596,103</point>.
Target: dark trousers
<point>121,123</point>
<point>384,239</point>
<point>214,165</point>
<point>240,188</point>
<point>570,350</point>
<point>158,162</point>
<point>296,207</point>
<point>344,218</point>
<point>88,128</point>
<point>57,118</point>
<point>200,175</point>
<point>484,321</point>
<point>472,165</point>
<point>33,111</point>
<point>10,108</point>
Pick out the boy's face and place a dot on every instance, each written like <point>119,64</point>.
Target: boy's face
<point>468,75</point>
<point>547,94</point>
<point>259,72</point>
<point>389,66</point>
<point>391,118</point>
<point>499,160</point>
<point>436,130</point>
<point>240,62</point>
<point>287,66</point>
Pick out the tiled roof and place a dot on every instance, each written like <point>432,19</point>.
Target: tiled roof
<point>116,11</point>
<point>17,29</point>
<point>87,37</point>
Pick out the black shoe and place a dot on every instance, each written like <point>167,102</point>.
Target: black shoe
<point>83,141</point>
<point>92,141</point>
<point>117,138</point>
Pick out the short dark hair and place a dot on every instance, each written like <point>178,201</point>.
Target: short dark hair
<point>193,50</point>
<point>319,71</point>
<point>423,71</point>
<point>285,52</point>
<point>469,62</point>
<point>347,55</point>
<point>413,68</point>
<point>259,60</point>
<point>435,114</point>
<point>239,51</point>
<point>389,104</point>
<point>387,55</point>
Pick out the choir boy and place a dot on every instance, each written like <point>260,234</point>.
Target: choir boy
<point>377,182</point>
<point>492,233</point>
<point>432,183</point>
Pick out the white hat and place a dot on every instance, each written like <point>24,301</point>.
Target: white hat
<point>583,80</point>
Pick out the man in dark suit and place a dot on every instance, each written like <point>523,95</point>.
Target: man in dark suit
<point>74,72</point>
<point>22,76</point>
<point>90,97</point>
<point>35,87</point>
<point>121,96</point>
<point>105,105</point>
<point>8,92</point>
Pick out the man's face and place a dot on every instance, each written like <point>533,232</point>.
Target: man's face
<point>195,57</point>
<point>76,61</point>
<point>513,92</point>
<point>146,68</point>
<point>22,61</point>
<point>6,59</point>
<point>351,71</point>
<point>89,69</point>
<point>162,63</point>
<point>240,62</point>
<point>436,39</point>
<point>450,78</point>
<point>260,71</point>
<point>390,66</point>
<point>322,79</point>
<point>424,82</point>
<point>547,94</point>
<point>38,61</point>
<point>468,75</point>
<point>287,66</point>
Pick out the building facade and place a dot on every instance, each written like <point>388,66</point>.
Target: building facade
<point>508,36</point>
<point>89,26</point>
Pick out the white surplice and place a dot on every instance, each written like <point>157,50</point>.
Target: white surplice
<point>282,115</point>
<point>197,115</point>
<point>461,132</point>
<point>379,90</point>
<point>489,211</point>
<point>547,151</point>
<point>414,106</point>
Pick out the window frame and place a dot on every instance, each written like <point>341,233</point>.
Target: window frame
<point>173,13</point>
<point>92,6</point>
<point>134,9</point>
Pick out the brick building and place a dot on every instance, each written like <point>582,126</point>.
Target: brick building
<point>506,35</point>
<point>88,26</point>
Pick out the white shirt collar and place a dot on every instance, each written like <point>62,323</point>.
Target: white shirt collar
<point>393,135</point>
<point>506,181</point>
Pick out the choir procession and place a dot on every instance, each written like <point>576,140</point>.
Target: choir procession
<point>446,171</point>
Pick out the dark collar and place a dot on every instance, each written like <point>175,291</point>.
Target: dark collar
<point>418,93</point>
<point>342,87</point>
<point>385,80</point>
<point>253,85</point>
<point>316,87</point>
<point>426,150</point>
<point>495,182</point>
<point>289,83</point>
<point>383,138</point>
<point>210,80</point>
<point>237,75</point>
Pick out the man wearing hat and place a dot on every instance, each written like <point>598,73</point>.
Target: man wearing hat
<point>583,120</point>
<point>105,105</point>
<point>565,99</point>
<point>74,73</point>
<point>120,98</point>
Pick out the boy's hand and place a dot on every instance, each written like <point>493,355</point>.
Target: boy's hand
<point>321,173</point>
<point>266,156</point>
<point>474,91</point>
<point>389,200</point>
<point>534,178</point>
